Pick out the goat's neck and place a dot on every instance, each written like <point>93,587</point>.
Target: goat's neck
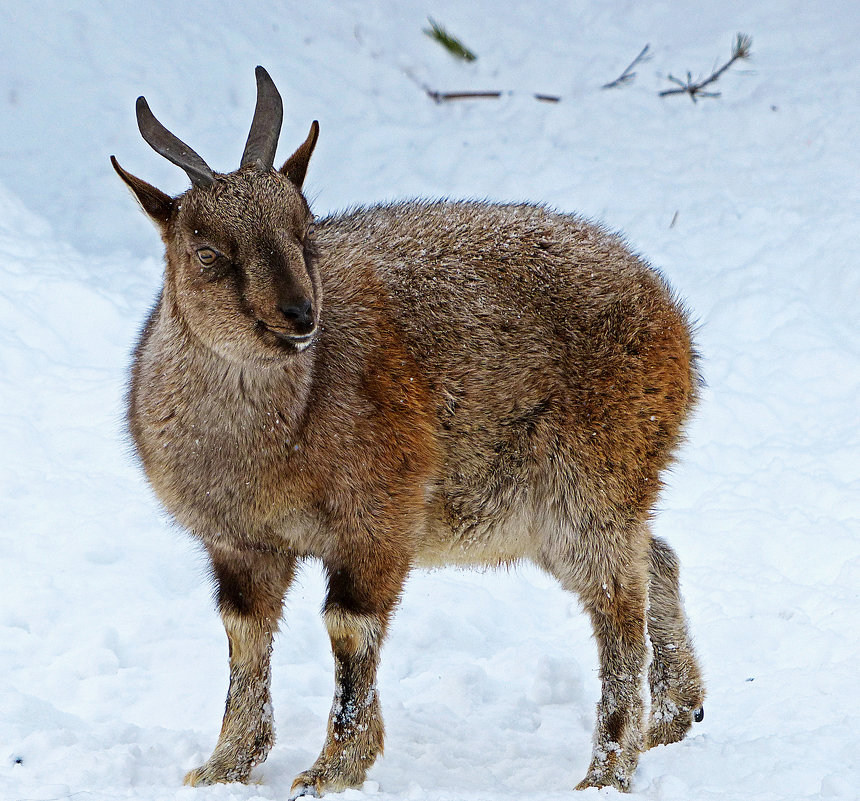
<point>255,386</point>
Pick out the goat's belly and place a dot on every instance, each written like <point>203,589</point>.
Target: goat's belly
<point>508,538</point>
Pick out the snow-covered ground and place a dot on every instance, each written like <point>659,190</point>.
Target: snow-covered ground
<point>113,664</point>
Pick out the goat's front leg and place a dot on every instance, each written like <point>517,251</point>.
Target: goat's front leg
<point>251,588</point>
<point>357,610</point>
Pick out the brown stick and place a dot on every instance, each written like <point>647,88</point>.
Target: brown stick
<point>440,97</point>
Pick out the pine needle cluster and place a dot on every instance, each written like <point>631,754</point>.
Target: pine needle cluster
<point>451,43</point>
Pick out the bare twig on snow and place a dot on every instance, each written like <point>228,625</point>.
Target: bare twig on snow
<point>740,51</point>
<point>628,75</point>
<point>441,97</point>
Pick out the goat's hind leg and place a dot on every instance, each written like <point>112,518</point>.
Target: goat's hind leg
<point>608,570</point>
<point>619,627</point>
<point>674,676</point>
<point>251,588</point>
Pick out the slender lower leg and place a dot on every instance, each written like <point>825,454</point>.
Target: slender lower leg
<point>354,736</point>
<point>251,589</point>
<point>674,676</point>
<point>356,619</point>
<point>619,626</point>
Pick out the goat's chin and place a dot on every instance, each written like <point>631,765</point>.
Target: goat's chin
<point>261,349</point>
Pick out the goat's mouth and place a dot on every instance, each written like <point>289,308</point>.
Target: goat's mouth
<point>302,341</point>
<point>284,339</point>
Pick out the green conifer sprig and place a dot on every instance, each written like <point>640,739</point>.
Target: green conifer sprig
<point>451,43</point>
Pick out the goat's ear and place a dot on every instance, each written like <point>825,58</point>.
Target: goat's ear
<point>155,203</point>
<point>296,165</point>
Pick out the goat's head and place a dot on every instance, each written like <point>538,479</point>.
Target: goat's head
<point>241,269</point>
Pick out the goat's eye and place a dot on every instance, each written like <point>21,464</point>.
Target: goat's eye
<point>207,256</point>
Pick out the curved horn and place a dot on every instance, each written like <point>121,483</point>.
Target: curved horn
<point>172,148</point>
<point>266,127</point>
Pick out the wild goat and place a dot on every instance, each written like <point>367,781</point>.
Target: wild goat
<point>421,383</point>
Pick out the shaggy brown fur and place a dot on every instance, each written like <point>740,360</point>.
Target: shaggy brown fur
<point>414,384</point>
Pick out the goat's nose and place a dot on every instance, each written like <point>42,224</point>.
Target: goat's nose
<point>300,313</point>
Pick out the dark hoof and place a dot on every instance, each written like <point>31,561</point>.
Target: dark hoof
<point>699,714</point>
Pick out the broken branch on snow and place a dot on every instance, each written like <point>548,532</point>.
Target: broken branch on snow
<point>740,51</point>
<point>443,97</point>
<point>628,75</point>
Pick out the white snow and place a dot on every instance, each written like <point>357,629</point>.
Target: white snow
<point>113,663</point>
